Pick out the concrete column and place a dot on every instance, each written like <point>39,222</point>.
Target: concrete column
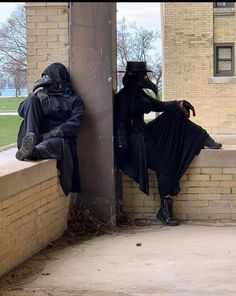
<point>93,70</point>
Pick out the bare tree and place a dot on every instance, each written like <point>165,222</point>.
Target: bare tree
<point>13,51</point>
<point>2,83</point>
<point>134,42</point>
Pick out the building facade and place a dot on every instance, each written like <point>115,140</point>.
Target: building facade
<point>199,60</point>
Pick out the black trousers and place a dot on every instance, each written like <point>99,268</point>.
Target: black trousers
<point>34,121</point>
<point>172,143</point>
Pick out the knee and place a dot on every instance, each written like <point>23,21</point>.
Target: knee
<point>32,103</point>
<point>33,100</point>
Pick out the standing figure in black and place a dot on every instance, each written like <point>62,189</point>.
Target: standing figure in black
<point>52,115</point>
<point>166,145</point>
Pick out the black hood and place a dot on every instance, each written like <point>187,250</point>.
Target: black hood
<point>55,78</point>
<point>58,73</point>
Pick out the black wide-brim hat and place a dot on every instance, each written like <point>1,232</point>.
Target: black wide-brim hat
<point>135,67</point>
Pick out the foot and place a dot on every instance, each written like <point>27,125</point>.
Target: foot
<point>166,220</point>
<point>211,144</point>
<point>28,144</point>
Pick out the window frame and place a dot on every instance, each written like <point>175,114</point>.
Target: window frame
<point>222,73</point>
<point>229,5</point>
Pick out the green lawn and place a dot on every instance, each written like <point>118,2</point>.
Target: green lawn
<point>10,103</point>
<point>9,126</point>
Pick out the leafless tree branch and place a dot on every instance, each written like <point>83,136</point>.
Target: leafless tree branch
<point>13,54</point>
<point>134,42</point>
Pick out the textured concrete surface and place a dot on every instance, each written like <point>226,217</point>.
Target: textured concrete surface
<point>134,261</point>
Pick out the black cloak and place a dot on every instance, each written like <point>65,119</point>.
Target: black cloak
<point>55,113</point>
<point>166,144</point>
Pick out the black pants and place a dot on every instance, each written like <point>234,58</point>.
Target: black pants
<point>34,121</point>
<point>172,143</point>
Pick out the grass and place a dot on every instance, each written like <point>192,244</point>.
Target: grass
<point>9,126</point>
<point>10,103</point>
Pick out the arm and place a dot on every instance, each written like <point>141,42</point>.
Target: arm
<point>21,108</point>
<point>159,106</point>
<point>184,106</point>
<point>70,128</point>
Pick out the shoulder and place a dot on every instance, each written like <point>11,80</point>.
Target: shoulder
<point>122,94</point>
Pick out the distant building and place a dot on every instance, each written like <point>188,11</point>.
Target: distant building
<point>199,60</point>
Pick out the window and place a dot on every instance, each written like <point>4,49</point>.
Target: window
<point>223,4</point>
<point>224,59</point>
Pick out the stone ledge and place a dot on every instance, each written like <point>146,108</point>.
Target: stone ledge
<point>221,79</point>
<point>223,11</point>
<point>16,176</point>
<point>208,190</point>
<point>225,157</point>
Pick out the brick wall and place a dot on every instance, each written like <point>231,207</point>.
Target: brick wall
<point>33,210</point>
<point>47,37</point>
<point>207,193</point>
<point>189,32</point>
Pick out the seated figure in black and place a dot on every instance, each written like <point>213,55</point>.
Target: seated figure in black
<point>52,114</point>
<point>166,145</point>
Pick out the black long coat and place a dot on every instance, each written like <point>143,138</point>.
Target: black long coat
<point>166,145</point>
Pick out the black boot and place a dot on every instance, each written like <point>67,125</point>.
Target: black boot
<point>34,155</point>
<point>28,144</point>
<point>165,214</point>
<point>211,143</point>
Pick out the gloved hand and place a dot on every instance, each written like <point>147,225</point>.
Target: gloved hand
<point>185,108</point>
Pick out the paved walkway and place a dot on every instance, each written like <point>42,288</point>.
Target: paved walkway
<point>8,113</point>
<point>150,260</point>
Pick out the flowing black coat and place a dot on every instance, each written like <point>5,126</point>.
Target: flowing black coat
<point>166,144</point>
<point>129,118</point>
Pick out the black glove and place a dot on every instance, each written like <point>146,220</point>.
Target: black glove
<point>185,108</point>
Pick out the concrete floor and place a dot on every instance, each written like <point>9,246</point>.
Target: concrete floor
<point>183,260</point>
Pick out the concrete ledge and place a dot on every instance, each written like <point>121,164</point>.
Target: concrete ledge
<point>226,79</point>
<point>223,11</point>
<point>16,176</point>
<point>225,157</point>
<point>208,191</point>
<point>33,208</point>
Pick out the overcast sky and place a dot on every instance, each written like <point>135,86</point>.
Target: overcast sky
<point>146,14</point>
<point>6,9</point>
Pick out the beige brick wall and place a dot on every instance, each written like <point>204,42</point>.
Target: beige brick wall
<point>47,37</point>
<point>207,194</point>
<point>189,32</point>
<point>33,210</point>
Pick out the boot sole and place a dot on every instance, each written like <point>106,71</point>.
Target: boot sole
<point>165,223</point>
<point>28,144</point>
